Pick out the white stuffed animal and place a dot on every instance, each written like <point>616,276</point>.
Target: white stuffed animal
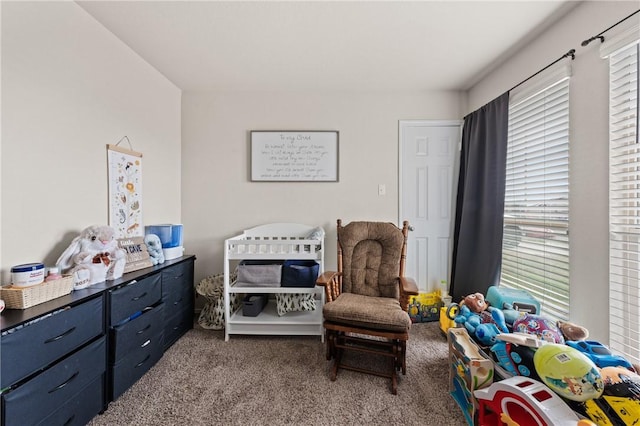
<point>154,246</point>
<point>93,257</point>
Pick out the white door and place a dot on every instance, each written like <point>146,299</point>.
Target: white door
<point>429,159</point>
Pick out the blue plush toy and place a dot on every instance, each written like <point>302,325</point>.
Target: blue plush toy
<point>485,332</point>
<point>154,246</point>
<point>481,320</point>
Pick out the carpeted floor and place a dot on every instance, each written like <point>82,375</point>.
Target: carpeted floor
<point>269,380</point>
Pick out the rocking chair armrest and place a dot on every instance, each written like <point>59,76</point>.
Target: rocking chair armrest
<point>325,278</point>
<point>408,286</point>
<point>331,282</point>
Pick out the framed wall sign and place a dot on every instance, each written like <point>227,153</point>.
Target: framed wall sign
<point>294,156</point>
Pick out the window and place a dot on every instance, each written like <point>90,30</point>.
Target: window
<point>624,198</point>
<point>535,253</point>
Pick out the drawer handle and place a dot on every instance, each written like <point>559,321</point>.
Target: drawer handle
<point>139,297</point>
<point>57,388</point>
<point>143,361</point>
<point>144,329</point>
<point>176,277</point>
<point>177,301</point>
<point>145,343</point>
<point>68,422</point>
<point>66,333</point>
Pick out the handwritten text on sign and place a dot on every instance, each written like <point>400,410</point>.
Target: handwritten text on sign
<point>294,156</point>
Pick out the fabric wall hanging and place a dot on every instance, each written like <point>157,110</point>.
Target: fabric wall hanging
<point>125,190</point>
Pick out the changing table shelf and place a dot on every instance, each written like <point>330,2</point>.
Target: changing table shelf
<point>268,322</point>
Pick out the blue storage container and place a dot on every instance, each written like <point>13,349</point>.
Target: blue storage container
<point>300,273</point>
<point>170,234</point>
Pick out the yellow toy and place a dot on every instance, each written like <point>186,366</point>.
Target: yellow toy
<point>620,402</point>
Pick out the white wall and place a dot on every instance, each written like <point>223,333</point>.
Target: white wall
<point>588,179</point>
<point>219,200</point>
<point>69,88</point>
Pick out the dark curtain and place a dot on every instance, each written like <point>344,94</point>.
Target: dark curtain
<point>477,237</point>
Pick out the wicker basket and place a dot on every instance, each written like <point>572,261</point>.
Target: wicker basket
<point>25,297</point>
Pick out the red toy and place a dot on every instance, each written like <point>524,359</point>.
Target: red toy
<point>522,401</point>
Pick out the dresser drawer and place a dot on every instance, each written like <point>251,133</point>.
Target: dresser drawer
<point>180,298</point>
<point>177,285</point>
<point>176,325</point>
<point>45,393</point>
<point>131,335</point>
<point>133,366</point>
<point>132,298</point>
<point>36,345</point>
<point>81,408</point>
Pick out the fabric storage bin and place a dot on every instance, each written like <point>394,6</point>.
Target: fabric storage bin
<point>132,367</point>
<point>293,302</point>
<point>34,346</point>
<point>28,404</point>
<point>300,273</point>
<point>259,273</point>
<point>253,304</point>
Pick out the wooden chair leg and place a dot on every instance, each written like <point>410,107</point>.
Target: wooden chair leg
<point>396,355</point>
<point>394,382</point>
<point>336,365</point>
<point>403,353</point>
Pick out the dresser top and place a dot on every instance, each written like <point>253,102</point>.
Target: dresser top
<point>10,318</point>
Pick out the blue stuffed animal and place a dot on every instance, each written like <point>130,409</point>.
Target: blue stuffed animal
<point>481,320</point>
<point>485,332</point>
<point>154,246</point>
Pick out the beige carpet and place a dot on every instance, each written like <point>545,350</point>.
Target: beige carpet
<point>266,380</point>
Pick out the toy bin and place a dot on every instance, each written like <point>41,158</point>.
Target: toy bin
<point>253,304</point>
<point>300,273</point>
<point>170,234</point>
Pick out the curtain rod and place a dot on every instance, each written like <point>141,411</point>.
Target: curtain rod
<point>600,36</point>
<point>571,53</point>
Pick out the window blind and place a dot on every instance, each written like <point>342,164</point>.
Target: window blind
<point>535,254</point>
<point>624,203</point>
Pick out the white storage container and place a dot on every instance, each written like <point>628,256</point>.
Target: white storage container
<point>27,274</point>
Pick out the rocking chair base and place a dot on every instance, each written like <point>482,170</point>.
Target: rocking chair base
<point>379,343</point>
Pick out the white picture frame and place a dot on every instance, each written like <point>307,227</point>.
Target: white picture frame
<point>294,156</point>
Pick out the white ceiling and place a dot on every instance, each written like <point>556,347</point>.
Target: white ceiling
<point>325,45</point>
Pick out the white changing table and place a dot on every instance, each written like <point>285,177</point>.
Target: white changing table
<point>275,241</point>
